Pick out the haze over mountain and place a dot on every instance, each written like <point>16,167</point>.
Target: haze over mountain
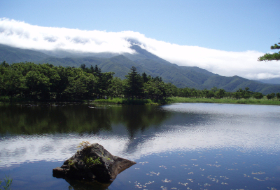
<point>144,61</point>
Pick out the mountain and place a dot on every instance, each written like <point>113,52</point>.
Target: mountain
<point>270,81</point>
<point>16,55</point>
<point>144,61</point>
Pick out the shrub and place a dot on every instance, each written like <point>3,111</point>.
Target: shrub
<point>84,145</point>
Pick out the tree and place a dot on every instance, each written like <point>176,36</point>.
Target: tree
<point>220,93</point>
<point>104,82</point>
<point>278,95</point>
<point>50,72</point>
<point>184,92</point>
<point>214,89</point>
<point>270,57</point>
<point>116,87</point>
<point>171,90</point>
<point>247,93</point>
<point>4,64</point>
<point>83,66</point>
<point>134,86</point>
<point>91,82</point>
<point>208,94</point>
<point>145,77</point>
<point>12,83</point>
<point>194,92</point>
<point>97,71</point>
<point>156,90</point>
<point>258,95</point>
<point>37,83</point>
<point>77,84</point>
<point>270,96</point>
<point>238,94</point>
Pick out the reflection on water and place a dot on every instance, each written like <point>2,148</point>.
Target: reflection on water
<point>46,119</point>
<point>173,145</point>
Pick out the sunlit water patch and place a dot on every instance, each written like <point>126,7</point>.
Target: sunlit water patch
<point>179,146</point>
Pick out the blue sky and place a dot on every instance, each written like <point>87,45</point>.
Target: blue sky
<point>226,25</point>
<point>231,25</point>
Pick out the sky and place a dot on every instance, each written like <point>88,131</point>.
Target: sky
<point>224,37</point>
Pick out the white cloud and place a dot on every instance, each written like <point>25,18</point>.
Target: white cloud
<point>23,35</point>
<point>245,64</point>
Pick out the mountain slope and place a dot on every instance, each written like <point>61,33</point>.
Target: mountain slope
<point>234,83</point>
<point>16,55</point>
<point>120,65</point>
<point>142,54</point>
<point>270,81</point>
<point>144,61</point>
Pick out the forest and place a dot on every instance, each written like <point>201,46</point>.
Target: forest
<point>45,82</point>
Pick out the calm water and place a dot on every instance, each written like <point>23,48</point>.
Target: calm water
<point>179,146</point>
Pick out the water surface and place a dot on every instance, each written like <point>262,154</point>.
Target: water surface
<point>178,146</point>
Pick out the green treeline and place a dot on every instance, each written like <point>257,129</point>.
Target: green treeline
<point>221,93</point>
<point>45,82</point>
<point>30,81</point>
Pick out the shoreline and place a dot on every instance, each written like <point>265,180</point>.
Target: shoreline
<point>171,100</point>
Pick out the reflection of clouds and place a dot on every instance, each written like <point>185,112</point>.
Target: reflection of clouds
<point>50,148</point>
<point>225,126</point>
<point>234,110</point>
<point>212,137</point>
<point>59,148</point>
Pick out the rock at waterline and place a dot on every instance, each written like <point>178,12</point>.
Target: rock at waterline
<point>93,162</point>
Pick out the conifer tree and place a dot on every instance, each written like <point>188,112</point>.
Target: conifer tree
<point>270,57</point>
<point>134,87</point>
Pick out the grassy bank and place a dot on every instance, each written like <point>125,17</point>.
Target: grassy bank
<point>171,100</point>
<point>263,101</point>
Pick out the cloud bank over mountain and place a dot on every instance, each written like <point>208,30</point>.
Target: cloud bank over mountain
<point>23,35</point>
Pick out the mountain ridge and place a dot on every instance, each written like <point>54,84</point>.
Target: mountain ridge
<point>144,61</point>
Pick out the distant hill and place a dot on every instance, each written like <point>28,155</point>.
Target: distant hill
<point>270,81</point>
<point>144,61</point>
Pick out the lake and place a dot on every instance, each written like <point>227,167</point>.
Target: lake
<point>178,146</point>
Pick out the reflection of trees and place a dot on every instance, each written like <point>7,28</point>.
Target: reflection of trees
<point>47,119</point>
<point>44,119</point>
<point>140,118</point>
